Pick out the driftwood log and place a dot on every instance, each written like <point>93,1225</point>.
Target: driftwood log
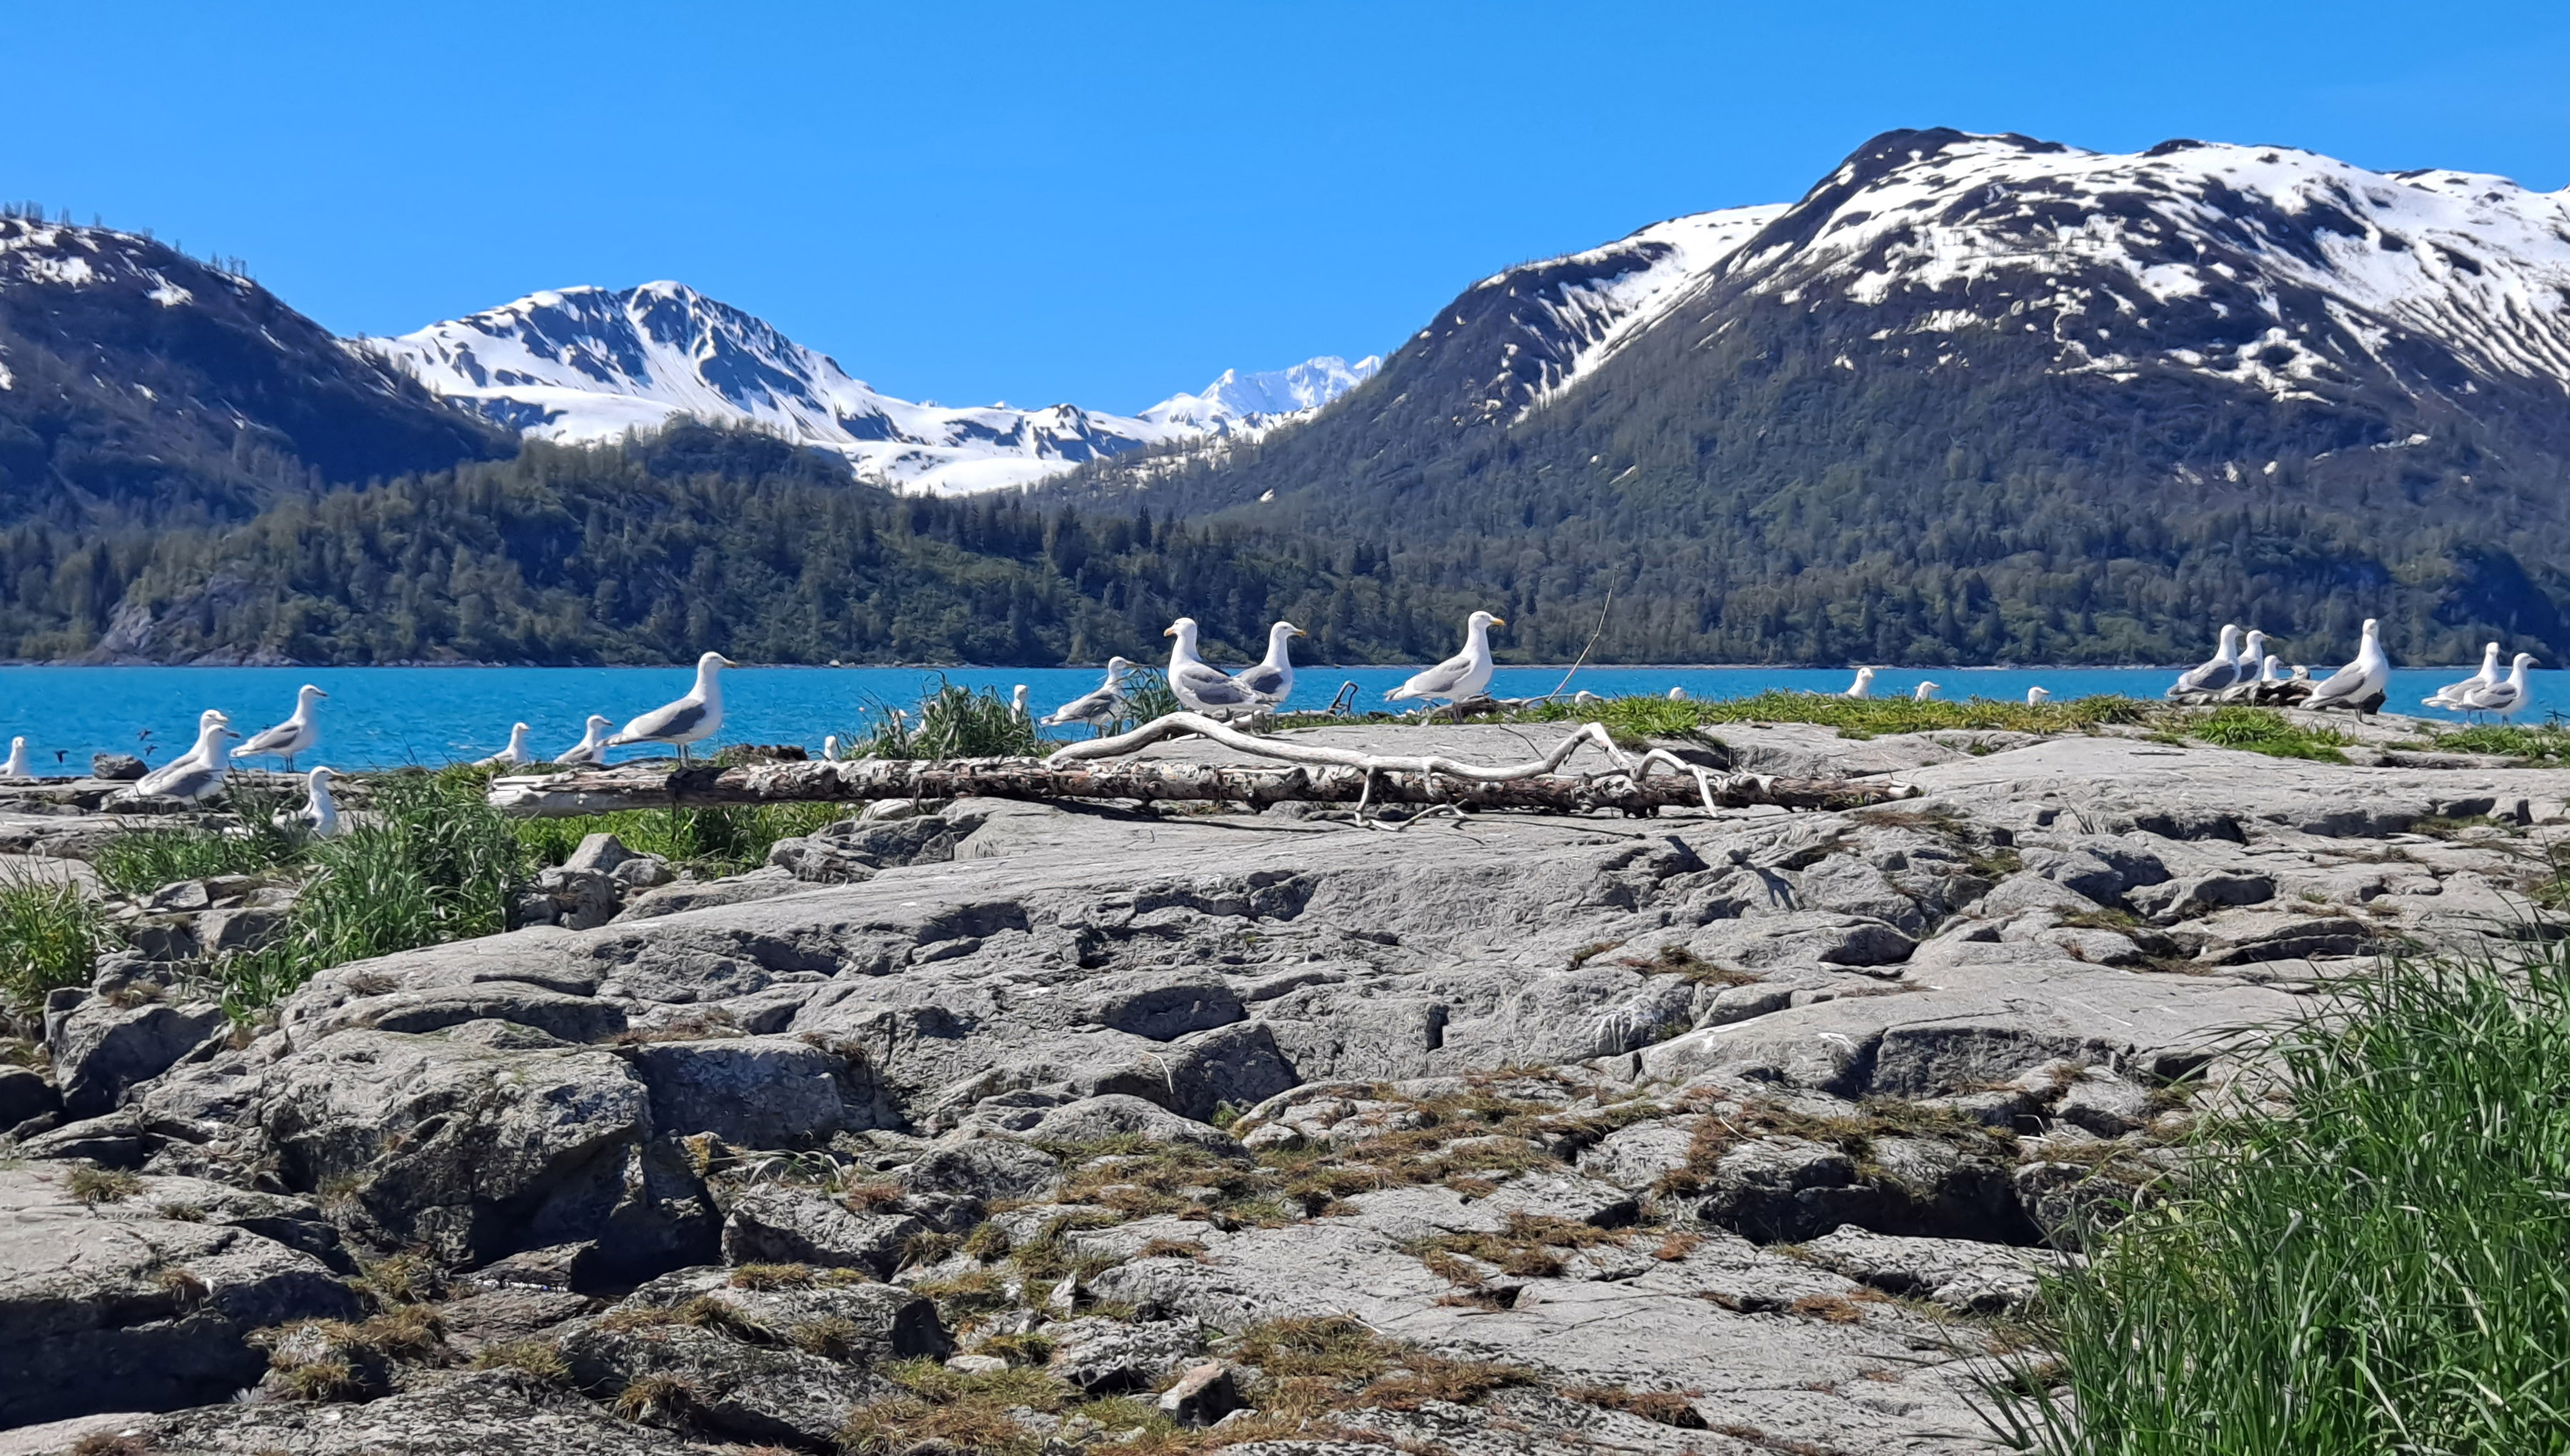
<point>1311,774</point>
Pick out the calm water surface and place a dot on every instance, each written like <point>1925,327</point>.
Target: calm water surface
<point>380,717</point>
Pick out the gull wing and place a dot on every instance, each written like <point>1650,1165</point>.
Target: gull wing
<point>1099,705</point>
<point>1439,681</point>
<point>2347,682</point>
<point>1263,681</point>
<point>683,717</point>
<point>1209,686</point>
<point>267,740</point>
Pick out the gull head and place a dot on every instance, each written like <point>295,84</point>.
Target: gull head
<point>1482,621</point>
<point>1117,667</point>
<point>2369,625</point>
<point>319,777</point>
<point>1185,629</point>
<point>308,694</point>
<point>1923,689</point>
<point>600,720</point>
<point>2257,649</point>
<point>2036,695</point>
<point>2230,639</point>
<point>2524,660</point>
<point>712,660</point>
<point>1283,631</point>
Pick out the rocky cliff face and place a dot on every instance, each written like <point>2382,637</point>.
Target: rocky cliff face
<point>1520,1134</point>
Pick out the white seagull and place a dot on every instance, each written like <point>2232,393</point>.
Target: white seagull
<point>1677,695</point>
<point>2216,674</point>
<point>2452,695</point>
<point>515,756</point>
<point>2352,685</point>
<point>17,767</point>
<point>1203,688</point>
<point>592,748</point>
<point>1923,692</point>
<point>1272,680</point>
<point>198,773</point>
<point>2502,701</point>
<point>1462,676</point>
<point>296,735</point>
<point>1017,703</point>
<point>2034,695</point>
<point>319,815</point>
<point>1863,687</point>
<point>1099,707</point>
<point>691,719</point>
<point>829,745</point>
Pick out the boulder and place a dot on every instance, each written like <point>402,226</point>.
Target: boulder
<point>1096,1118</point>
<point>467,1413</point>
<point>101,1048</point>
<point>751,1091</point>
<point>25,1094</point>
<point>565,1017</point>
<point>135,1313</point>
<point>599,854</point>
<point>982,1168</point>
<point>1963,1276</point>
<point>1113,1357</point>
<point>116,767</point>
<point>795,1224</point>
<point>1202,1395</point>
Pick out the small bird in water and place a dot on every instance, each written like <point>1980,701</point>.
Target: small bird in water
<point>296,735</point>
<point>2034,695</point>
<point>691,719</point>
<point>1098,707</point>
<point>515,756</point>
<point>592,748</point>
<point>319,815</point>
<point>1923,692</point>
<point>1863,687</point>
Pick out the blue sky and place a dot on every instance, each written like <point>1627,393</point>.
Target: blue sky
<point>1105,203</point>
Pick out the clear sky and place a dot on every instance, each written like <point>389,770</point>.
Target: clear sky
<point>1104,203</point>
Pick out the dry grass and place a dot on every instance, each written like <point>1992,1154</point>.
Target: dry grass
<point>1666,1407</point>
<point>705,1312</point>
<point>535,1357</point>
<point>403,1278</point>
<point>1720,1130</point>
<point>968,1412</point>
<point>656,1400</point>
<point>102,1443</point>
<point>771,1277</point>
<point>1686,965</point>
<point>94,1186</point>
<point>1529,1246</point>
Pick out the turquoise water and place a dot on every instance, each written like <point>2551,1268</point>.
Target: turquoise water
<point>380,717</point>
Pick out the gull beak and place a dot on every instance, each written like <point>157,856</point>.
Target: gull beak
<point>1298,632</point>
<point>1168,631</point>
<point>1499,621</point>
<point>727,662</point>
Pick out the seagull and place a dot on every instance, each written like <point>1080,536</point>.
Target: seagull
<point>592,748</point>
<point>17,767</point>
<point>1017,703</point>
<point>198,773</point>
<point>1099,707</point>
<point>1923,692</point>
<point>1203,688</point>
<point>2036,695</point>
<point>515,756</point>
<point>1272,680</point>
<point>1677,695</point>
<point>691,719</point>
<point>2358,684</point>
<point>319,815</point>
<point>2502,701</point>
<point>2452,695</point>
<point>829,745</point>
<point>1460,676</point>
<point>2216,674</point>
<point>296,735</point>
<point>1863,687</point>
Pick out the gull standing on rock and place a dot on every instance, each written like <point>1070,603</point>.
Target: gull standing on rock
<point>2358,684</point>
<point>1272,680</point>
<point>515,756</point>
<point>319,815</point>
<point>296,735</point>
<point>2212,676</point>
<point>1923,692</point>
<point>2503,700</point>
<point>592,748</point>
<point>2452,695</point>
<point>17,767</point>
<point>198,773</point>
<point>1096,709</point>
<point>1201,688</point>
<point>829,745</point>
<point>691,719</point>
<point>1463,676</point>
<point>1863,687</point>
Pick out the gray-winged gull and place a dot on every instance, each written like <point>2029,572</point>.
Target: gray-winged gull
<point>1103,704</point>
<point>592,748</point>
<point>2503,700</point>
<point>198,773</point>
<point>691,719</point>
<point>2452,695</point>
<point>515,756</point>
<point>296,735</point>
<point>1463,676</point>
<point>2212,676</point>
<point>1203,688</point>
<point>1272,680</point>
<point>319,815</point>
<point>2360,683</point>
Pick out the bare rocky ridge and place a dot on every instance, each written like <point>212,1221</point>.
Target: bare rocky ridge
<point>1723,1134</point>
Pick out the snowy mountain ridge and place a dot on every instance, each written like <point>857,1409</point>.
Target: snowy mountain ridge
<point>592,363</point>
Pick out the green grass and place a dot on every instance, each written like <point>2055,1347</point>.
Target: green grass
<point>2264,730</point>
<point>2386,1269</point>
<point>1663,718</point>
<point>50,936</point>
<point>143,861</point>
<point>2546,744</point>
<point>716,840</point>
<point>952,722</point>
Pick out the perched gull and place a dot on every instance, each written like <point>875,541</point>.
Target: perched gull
<point>1201,688</point>
<point>2502,701</point>
<point>2358,684</point>
<point>1100,707</point>
<point>2245,674</point>
<point>691,719</point>
<point>2216,674</point>
<point>1863,687</point>
<point>2034,695</point>
<point>1677,695</point>
<point>319,815</point>
<point>1923,692</point>
<point>198,773</point>
<point>2452,695</point>
<point>1017,703</point>
<point>296,735</point>
<point>17,767</point>
<point>1462,676</point>
<point>592,748</point>
<point>515,756</point>
<point>829,745</point>
<point>1272,680</point>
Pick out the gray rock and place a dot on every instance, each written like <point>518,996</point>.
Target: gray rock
<point>116,767</point>
<point>871,1324</point>
<point>1202,1395</point>
<point>1112,1357</point>
<point>567,1017</point>
<point>1965,1277</point>
<point>1784,1190</point>
<point>2169,901</point>
<point>1802,937</point>
<point>642,872</point>
<point>716,1385</point>
<point>132,1314</point>
<point>25,1094</point>
<point>751,1091</point>
<point>599,854</point>
<point>984,1167</point>
<point>101,1050</point>
<point>1096,1118</point>
<point>1637,1157</point>
<point>583,898</point>
<point>696,894</point>
<point>791,1225</point>
<point>227,932</point>
<point>468,1414</point>
<point>2104,1104</point>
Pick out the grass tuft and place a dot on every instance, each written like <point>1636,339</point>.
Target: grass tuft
<point>2264,730</point>
<point>50,936</point>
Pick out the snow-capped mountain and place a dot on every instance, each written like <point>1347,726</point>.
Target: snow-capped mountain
<point>592,363</point>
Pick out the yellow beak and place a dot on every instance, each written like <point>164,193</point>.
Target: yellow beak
<point>1168,631</point>
<point>1499,621</point>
